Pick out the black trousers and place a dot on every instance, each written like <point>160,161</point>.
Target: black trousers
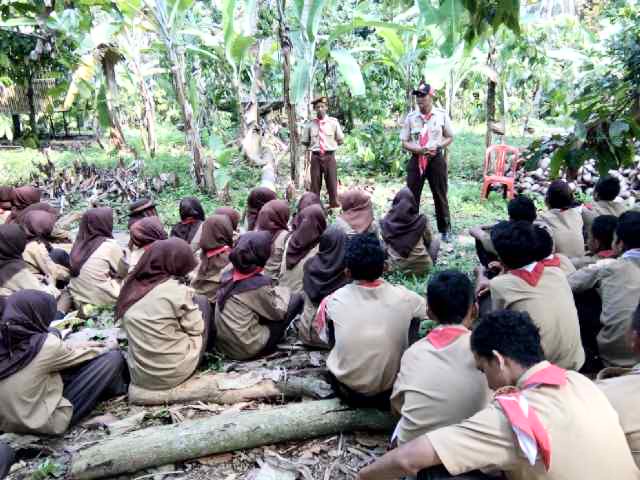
<point>278,329</point>
<point>441,473</point>
<point>208,314</point>
<point>381,401</point>
<point>101,378</point>
<point>589,306</point>
<point>7,457</point>
<point>436,174</point>
<point>324,165</point>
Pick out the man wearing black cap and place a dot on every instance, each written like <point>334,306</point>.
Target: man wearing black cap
<point>425,134</point>
<point>322,137</point>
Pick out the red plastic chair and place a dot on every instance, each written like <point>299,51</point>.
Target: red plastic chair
<point>495,161</point>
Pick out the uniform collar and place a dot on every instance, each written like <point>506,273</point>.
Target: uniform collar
<point>533,372</point>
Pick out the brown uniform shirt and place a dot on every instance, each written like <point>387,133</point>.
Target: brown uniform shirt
<point>418,262</point>
<point>427,392</point>
<point>132,256</point>
<point>552,308</point>
<point>96,284</point>
<point>332,135</point>
<point>371,327</point>
<point>593,210</point>
<point>306,331</point>
<point>209,284</point>
<point>623,393</point>
<point>341,223</point>
<point>566,228</point>
<point>274,264</point>
<point>292,279</point>
<point>165,332</point>
<point>41,265</point>
<point>23,280</point>
<point>618,283</point>
<point>438,125</point>
<point>241,335</point>
<point>31,399</point>
<point>587,442</point>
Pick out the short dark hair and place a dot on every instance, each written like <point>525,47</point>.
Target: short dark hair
<point>628,229</point>
<point>511,333</point>
<point>449,296</point>
<point>364,257</point>
<point>515,243</point>
<point>522,208</point>
<point>603,229</point>
<point>559,195</point>
<point>544,242</point>
<point>607,188</point>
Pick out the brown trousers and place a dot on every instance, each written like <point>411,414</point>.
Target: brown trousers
<point>436,173</point>
<point>325,165</point>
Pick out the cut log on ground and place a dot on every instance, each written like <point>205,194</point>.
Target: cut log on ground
<point>169,444</point>
<point>230,388</point>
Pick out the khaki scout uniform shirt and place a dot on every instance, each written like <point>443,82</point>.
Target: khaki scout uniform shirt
<point>371,327</point>
<point>418,262</point>
<point>332,134</point>
<point>623,393</point>
<point>132,256</point>
<point>618,283</point>
<point>24,280</point>
<point>587,442</point>
<point>306,331</point>
<point>31,399</point>
<point>292,279</point>
<point>165,331</point>
<point>551,307</point>
<point>41,265</point>
<point>438,126</point>
<point>240,334</point>
<point>566,229</point>
<point>428,392</point>
<point>274,264</point>
<point>342,224</point>
<point>96,284</point>
<point>209,284</point>
<point>601,207</point>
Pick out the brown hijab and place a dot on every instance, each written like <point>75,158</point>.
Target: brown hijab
<point>165,259</point>
<point>403,226</point>
<point>306,200</point>
<point>215,243</point>
<point>12,244</point>
<point>255,201</point>
<point>248,257</point>
<point>96,225</point>
<point>357,210</point>
<point>233,215</point>
<point>6,198</point>
<point>24,327</point>
<point>273,217</point>
<point>38,225</point>
<point>146,231</point>
<point>141,209</point>
<point>22,198</point>
<point>191,217</point>
<point>324,273</point>
<point>311,226</point>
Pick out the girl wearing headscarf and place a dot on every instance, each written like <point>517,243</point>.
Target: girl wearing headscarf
<point>190,227</point>
<point>22,198</point>
<point>140,209</point>
<point>257,198</point>
<point>166,325</point>
<point>306,200</point>
<point>38,226</point>
<point>97,261</point>
<point>274,218</point>
<point>301,245</point>
<point>357,213</point>
<point>215,246</point>
<point>235,218</point>
<point>14,271</point>
<point>407,236</point>
<point>252,315</point>
<point>6,202</point>
<point>46,385</point>
<point>323,275</point>
<point>142,234</point>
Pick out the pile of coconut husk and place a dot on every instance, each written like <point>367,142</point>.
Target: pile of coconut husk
<point>537,181</point>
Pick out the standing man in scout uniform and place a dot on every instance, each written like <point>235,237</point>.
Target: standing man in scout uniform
<point>425,134</point>
<point>322,137</point>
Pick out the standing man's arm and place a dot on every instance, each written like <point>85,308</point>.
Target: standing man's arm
<point>339,133</point>
<point>407,144</point>
<point>306,136</point>
<point>447,132</point>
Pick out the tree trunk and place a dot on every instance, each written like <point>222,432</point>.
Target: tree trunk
<point>191,439</point>
<point>32,107</point>
<point>149,138</point>
<point>229,388</point>
<point>17,127</point>
<point>491,96</point>
<point>116,135</point>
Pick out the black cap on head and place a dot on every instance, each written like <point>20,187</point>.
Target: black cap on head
<point>423,90</point>
<point>317,100</point>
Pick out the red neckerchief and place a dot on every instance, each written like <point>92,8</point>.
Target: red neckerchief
<point>373,284</point>
<point>589,206</point>
<point>423,160</point>
<point>441,337</point>
<point>147,246</point>
<point>237,276</point>
<point>531,433</point>
<point>606,253</point>
<point>321,134</point>
<point>189,221</point>
<point>217,251</point>
<point>533,277</point>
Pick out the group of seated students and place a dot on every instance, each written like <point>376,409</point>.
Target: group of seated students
<point>493,389</point>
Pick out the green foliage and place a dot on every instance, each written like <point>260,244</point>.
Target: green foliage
<point>376,150</point>
<point>47,469</point>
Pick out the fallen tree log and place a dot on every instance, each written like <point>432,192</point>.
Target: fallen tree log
<point>230,388</point>
<point>169,444</point>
